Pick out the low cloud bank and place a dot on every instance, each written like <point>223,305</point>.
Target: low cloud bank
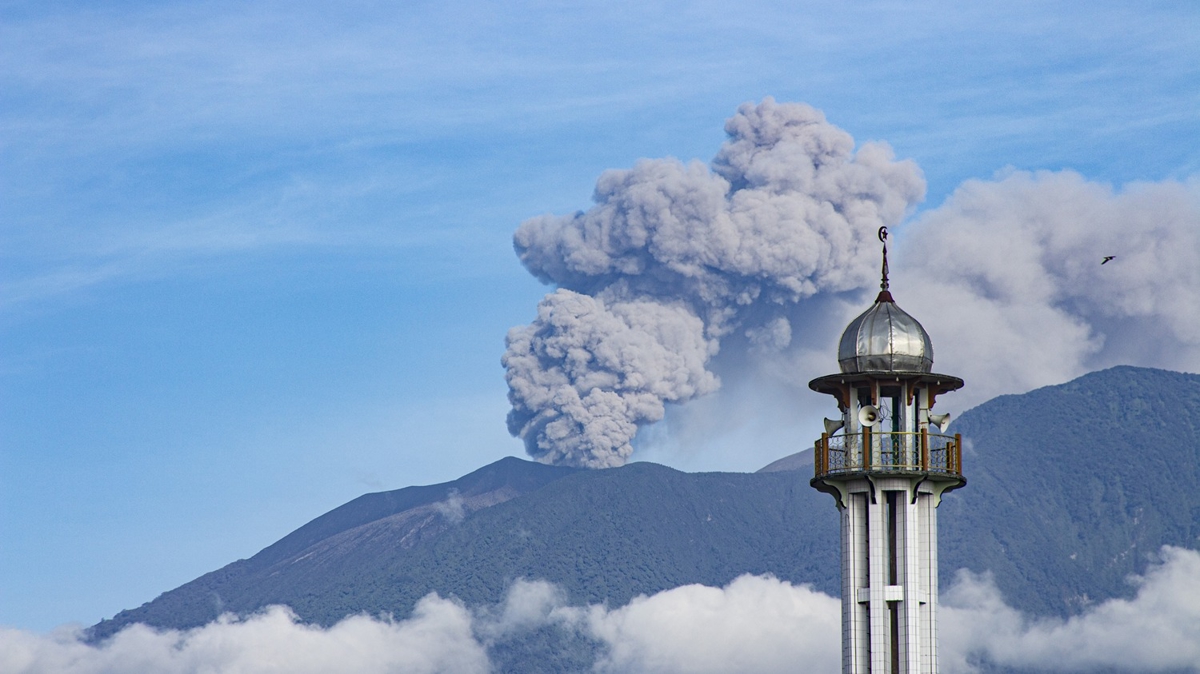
<point>437,638</point>
<point>1156,631</point>
<point>756,623</point>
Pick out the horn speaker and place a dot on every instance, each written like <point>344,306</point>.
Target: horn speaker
<point>942,421</point>
<point>832,425</point>
<point>868,415</point>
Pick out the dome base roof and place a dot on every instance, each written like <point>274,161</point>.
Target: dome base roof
<point>884,338</point>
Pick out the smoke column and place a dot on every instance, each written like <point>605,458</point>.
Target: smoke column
<point>674,257</point>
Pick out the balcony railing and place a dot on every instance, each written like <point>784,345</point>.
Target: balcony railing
<point>871,452</point>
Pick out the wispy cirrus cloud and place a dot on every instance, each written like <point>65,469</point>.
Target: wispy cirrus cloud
<point>120,121</point>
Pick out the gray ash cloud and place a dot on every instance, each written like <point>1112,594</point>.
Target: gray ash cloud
<point>675,257</point>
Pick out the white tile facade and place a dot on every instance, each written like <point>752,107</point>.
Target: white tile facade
<point>889,619</point>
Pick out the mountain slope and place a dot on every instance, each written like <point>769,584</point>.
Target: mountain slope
<point>1071,488</point>
<point>603,535</point>
<point>333,544</point>
<point>1074,487</point>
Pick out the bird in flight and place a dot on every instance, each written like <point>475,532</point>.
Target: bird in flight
<point>1107,259</point>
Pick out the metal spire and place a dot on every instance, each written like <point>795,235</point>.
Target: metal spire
<point>884,294</point>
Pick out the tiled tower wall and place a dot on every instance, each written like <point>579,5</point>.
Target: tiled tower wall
<point>889,619</point>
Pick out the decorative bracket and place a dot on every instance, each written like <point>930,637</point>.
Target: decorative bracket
<point>836,489</point>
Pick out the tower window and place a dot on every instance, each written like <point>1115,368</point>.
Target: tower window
<point>893,409</point>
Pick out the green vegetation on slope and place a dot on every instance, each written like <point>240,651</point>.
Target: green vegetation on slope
<point>1072,488</point>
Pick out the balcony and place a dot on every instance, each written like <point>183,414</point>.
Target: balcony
<point>888,453</point>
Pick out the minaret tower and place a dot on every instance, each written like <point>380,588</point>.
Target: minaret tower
<point>887,471</point>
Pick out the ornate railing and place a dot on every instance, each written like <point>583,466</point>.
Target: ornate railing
<point>870,452</point>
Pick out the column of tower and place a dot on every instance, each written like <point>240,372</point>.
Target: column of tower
<point>887,462</point>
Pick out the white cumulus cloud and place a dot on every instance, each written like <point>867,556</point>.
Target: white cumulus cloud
<point>754,624</point>
<point>1158,630</point>
<point>437,639</point>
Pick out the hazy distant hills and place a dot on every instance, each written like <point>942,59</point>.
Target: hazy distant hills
<point>1071,488</point>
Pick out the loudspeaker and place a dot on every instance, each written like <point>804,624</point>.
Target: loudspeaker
<point>868,415</point>
<point>942,421</point>
<point>832,425</point>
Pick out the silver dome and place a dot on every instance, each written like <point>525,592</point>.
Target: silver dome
<point>885,339</point>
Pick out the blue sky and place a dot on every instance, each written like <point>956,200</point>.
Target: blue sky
<point>256,258</point>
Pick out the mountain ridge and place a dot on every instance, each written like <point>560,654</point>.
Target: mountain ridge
<point>1058,508</point>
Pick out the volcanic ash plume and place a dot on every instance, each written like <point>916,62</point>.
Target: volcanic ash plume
<point>674,257</point>
<point>585,374</point>
<point>1018,259</point>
